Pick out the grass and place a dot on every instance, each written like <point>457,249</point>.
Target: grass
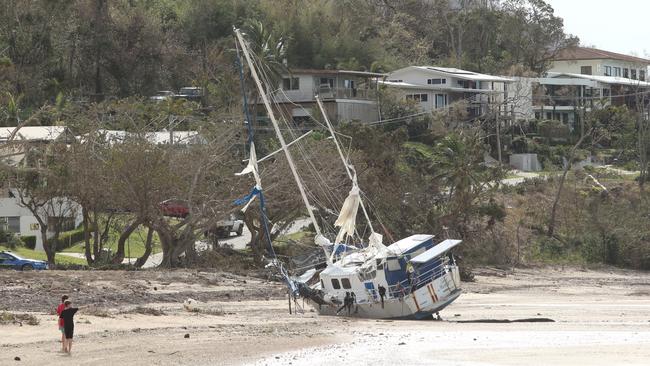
<point>133,248</point>
<point>39,255</point>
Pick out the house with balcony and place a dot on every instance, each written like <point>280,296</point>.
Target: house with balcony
<point>346,95</point>
<point>437,88</point>
<point>582,79</point>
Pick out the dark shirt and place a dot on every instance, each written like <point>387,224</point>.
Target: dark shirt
<point>67,315</point>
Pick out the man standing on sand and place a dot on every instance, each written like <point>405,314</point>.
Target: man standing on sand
<point>68,325</point>
<point>59,309</point>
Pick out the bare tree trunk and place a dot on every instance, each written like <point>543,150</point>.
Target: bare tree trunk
<point>165,243</point>
<point>86,226</point>
<point>128,230</point>
<point>256,235</point>
<point>147,249</point>
<point>551,222</point>
<point>48,246</point>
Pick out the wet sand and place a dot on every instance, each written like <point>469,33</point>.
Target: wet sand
<point>602,317</point>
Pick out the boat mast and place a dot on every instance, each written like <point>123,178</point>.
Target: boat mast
<point>345,163</point>
<point>276,127</point>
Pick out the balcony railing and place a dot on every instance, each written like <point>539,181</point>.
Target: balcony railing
<point>325,93</point>
<point>346,93</point>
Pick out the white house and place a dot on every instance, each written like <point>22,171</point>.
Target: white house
<point>13,216</point>
<point>438,87</point>
<point>347,96</point>
<point>16,218</point>
<point>592,61</point>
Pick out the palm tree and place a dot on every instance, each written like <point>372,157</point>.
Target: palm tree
<point>269,50</point>
<point>458,164</point>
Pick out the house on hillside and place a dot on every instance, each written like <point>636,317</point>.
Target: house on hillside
<point>583,79</point>
<point>592,61</point>
<point>347,96</point>
<point>436,88</point>
<point>14,216</point>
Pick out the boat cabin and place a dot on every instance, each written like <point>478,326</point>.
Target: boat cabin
<point>411,263</point>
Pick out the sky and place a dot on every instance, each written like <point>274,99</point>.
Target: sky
<point>619,26</point>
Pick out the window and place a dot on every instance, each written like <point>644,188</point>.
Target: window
<point>608,71</point>
<point>585,70</point>
<point>348,84</point>
<point>617,71</point>
<point>606,92</point>
<point>326,82</point>
<point>393,265</point>
<point>436,81</point>
<point>441,100</point>
<point>11,223</point>
<point>290,83</point>
<point>626,73</point>
<point>642,75</point>
<point>418,97</point>
<point>346,283</point>
<point>633,73</point>
<point>336,284</point>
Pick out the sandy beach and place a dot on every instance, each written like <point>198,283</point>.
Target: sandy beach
<point>600,317</point>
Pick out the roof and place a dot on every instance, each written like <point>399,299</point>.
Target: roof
<point>586,53</point>
<point>336,270</point>
<point>456,73</point>
<point>336,72</point>
<point>408,243</point>
<point>602,79</point>
<point>441,87</point>
<point>34,133</point>
<point>159,137</point>
<point>436,251</point>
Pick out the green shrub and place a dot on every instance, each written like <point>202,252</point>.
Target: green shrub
<point>69,238</point>
<point>29,241</point>
<point>14,241</point>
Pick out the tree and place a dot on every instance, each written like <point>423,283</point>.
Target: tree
<point>41,183</point>
<point>467,182</point>
<point>598,126</point>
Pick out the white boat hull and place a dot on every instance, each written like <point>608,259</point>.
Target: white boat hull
<point>421,304</point>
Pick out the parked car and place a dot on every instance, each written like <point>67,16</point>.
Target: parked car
<point>9,260</point>
<point>163,95</point>
<point>192,93</point>
<point>223,228</point>
<point>174,208</point>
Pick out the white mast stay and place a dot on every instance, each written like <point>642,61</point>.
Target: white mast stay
<point>345,162</point>
<point>276,127</point>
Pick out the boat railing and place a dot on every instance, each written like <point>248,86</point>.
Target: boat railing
<point>408,286</point>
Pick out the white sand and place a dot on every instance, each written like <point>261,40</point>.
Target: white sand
<point>602,318</point>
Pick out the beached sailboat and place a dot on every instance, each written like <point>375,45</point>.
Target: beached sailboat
<point>412,278</point>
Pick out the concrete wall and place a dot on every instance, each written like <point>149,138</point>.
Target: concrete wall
<point>357,110</point>
<point>525,162</point>
<point>520,98</point>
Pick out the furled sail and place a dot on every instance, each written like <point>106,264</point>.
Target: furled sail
<point>252,167</point>
<point>348,216</point>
